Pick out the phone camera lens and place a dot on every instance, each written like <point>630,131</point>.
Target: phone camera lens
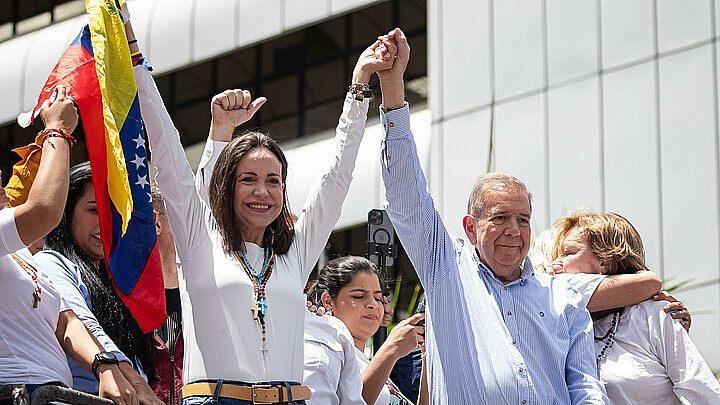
<point>376,217</point>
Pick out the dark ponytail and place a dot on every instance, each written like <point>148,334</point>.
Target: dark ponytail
<point>338,273</point>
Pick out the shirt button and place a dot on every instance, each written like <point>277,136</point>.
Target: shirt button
<point>509,313</point>
<point>392,124</point>
<point>389,157</point>
<point>524,401</point>
<point>513,341</point>
<point>520,369</point>
<point>504,288</point>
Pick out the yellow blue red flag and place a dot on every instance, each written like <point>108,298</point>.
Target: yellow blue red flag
<point>97,70</point>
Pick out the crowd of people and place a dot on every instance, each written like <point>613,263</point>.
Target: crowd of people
<point>498,327</point>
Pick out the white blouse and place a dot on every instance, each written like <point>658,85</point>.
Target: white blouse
<point>653,360</point>
<point>222,340</point>
<point>331,369</point>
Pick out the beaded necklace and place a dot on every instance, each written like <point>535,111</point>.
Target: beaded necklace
<point>30,270</point>
<point>608,338</point>
<point>259,282</point>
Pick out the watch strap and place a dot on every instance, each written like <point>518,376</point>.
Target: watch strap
<point>103,358</point>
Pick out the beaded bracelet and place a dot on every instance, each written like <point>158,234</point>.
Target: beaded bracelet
<point>360,91</point>
<point>49,133</point>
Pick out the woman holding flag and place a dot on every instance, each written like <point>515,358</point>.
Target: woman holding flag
<point>244,263</point>
<point>74,260</point>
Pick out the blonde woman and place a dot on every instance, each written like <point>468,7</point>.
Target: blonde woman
<point>643,355</point>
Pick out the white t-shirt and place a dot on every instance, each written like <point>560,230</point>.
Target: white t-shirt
<point>222,340</point>
<point>331,369</point>
<point>29,350</point>
<point>653,360</point>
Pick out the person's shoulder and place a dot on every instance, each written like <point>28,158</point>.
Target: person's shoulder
<point>560,290</point>
<point>54,262</point>
<point>326,330</point>
<point>647,309</point>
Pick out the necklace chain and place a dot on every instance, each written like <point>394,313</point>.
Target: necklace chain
<point>30,270</point>
<point>608,338</point>
<point>259,282</point>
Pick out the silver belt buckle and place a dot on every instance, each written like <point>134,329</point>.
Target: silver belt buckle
<point>255,395</point>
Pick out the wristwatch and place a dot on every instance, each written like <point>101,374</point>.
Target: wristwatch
<point>103,358</point>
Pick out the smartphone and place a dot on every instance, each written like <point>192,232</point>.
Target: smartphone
<point>421,310</point>
<point>380,231</point>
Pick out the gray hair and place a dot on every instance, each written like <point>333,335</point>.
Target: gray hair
<point>500,181</point>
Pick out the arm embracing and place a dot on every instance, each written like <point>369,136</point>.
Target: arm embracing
<point>621,290</point>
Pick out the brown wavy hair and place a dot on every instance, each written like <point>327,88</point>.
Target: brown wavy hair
<point>610,237</point>
<point>279,234</point>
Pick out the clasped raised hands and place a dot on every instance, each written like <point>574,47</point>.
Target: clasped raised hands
<point>377,57</point>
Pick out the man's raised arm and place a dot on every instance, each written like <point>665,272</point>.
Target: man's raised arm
<point>409,203</point>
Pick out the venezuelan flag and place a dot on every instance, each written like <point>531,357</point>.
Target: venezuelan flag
<point>97,70</point>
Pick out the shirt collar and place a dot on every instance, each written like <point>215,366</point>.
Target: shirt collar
<point>527,272</point>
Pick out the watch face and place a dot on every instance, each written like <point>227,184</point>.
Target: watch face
<point>103,358</point>
<point>106,358</point>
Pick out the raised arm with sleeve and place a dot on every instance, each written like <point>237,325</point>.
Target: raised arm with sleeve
<point>44,206</point>
<point>464,364</point>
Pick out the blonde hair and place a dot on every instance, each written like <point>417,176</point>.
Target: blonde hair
<point>541,251</point>
<point>609,236</point>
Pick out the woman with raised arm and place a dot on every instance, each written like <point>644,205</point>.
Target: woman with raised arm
<point>37,325</point>
<point>244,263</point>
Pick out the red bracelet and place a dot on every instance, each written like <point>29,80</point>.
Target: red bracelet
<point>48,133</point>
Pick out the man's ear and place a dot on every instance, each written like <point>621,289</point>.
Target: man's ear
<point>469,225</point>
<point>158,225</point>
<point>327,301</point>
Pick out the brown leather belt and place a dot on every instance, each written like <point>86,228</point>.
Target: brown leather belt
<point>257,394</point>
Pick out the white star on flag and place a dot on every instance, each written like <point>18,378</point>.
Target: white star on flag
<point>139,141</point>
<point>139,161</point>
<point>142,181</point>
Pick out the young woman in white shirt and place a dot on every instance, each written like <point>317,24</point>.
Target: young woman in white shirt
<point>644,356</point>
<point>350,287</point>
<point>244,263</point>
<point>38,329</point>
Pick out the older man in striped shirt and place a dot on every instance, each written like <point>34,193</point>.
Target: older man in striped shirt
<point>497,332</point>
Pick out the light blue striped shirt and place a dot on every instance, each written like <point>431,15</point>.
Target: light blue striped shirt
<point>531,344</point>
